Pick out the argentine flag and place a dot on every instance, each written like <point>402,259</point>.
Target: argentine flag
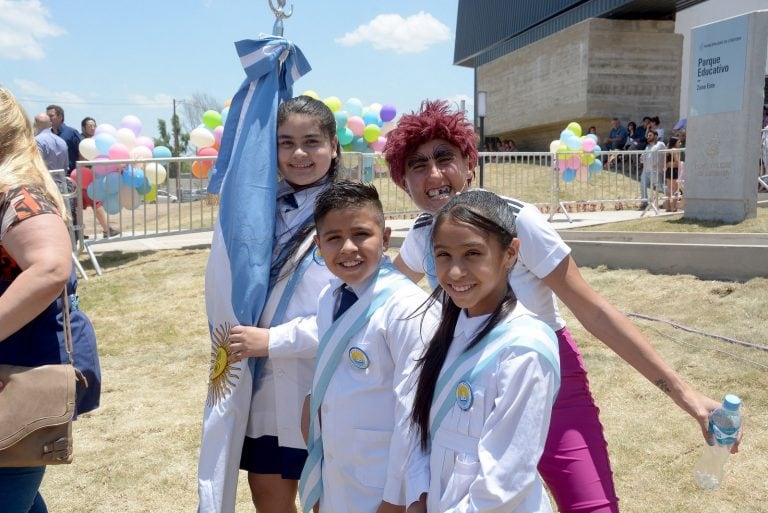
<point>237,276</point>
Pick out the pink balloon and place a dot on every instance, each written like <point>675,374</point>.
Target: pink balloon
<point>217,133</point>
<point>105,128</point>
<point>574,162</point>
<point>207,152</point>
<point>143,140</point>
<point>582,174</point>
<point>588,145</point>
<point>562,164</point>
<point>357,125</point>
<point>378,144</point>
<point>119,151</point>
<point>105,169</point>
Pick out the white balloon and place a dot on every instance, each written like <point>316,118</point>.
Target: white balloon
<point>127,137</point>
<point>156,173</point>
<point>141,152</point>
<point>202,137</point>
<point>88,148</point>
<point>129,197</point>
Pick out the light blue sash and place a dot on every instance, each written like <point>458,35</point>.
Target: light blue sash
<point>490,346</point>
<point>329,354</point>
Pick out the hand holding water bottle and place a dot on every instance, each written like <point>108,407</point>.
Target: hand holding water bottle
<point>724,427</point>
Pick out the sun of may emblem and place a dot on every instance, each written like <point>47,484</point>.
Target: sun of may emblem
<point>222,378</point>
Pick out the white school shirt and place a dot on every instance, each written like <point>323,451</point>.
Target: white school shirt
<point>287,376</point>
<point>365,414</point>
<point>484,459</point>
<point>541,250</point>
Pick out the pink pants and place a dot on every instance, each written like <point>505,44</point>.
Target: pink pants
<point>575,462</point>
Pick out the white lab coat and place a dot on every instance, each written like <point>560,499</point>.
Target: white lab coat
<point>484,459</point>
<point>365,414</point>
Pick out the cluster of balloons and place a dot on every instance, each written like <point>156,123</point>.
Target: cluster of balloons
<point>207,138</point>
<point>360,128</point>
<point>121,186</point>
<point>576,154</point>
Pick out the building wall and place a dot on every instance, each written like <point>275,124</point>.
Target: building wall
<point>588,72</point>
<point>701,14</point>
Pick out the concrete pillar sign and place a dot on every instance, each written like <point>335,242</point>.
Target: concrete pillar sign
<point>723,136</point>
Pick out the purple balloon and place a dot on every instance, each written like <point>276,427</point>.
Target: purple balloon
<point>388,112</point>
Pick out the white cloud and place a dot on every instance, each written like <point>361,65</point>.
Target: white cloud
<point>23,24</point>
<point>413,34</point>
<point>29,88</point>
<point>157,100</point>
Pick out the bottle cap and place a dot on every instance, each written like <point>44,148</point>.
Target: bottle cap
<point>731,402</point>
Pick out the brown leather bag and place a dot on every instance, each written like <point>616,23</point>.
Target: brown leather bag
<point>36,409</point>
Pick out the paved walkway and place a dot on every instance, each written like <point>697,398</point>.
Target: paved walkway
<point>399,228</point>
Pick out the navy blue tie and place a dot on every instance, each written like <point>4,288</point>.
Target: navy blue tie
<point>347,298</point>
<point>290,200</point>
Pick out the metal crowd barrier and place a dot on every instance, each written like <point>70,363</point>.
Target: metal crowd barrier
<point>182,205</point>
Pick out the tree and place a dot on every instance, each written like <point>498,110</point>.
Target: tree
<point>177,141</point>
<point>194,107</point>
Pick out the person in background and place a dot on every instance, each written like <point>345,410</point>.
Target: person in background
<point>593,130</point>
<point>652,166</point>
<point>70,135</point>
<point>671,174</point>
<point>52,148</point>
<point>617,137</point>
<point>88,127</point>
<point>35,264</point>
<point>631,136</point>
<point>656,125</point>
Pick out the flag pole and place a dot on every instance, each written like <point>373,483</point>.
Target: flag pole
<point>280,15</point>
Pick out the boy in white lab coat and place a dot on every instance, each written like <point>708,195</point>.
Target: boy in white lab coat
<point>362,388</point>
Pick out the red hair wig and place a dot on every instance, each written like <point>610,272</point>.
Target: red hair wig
<point>435,120</point>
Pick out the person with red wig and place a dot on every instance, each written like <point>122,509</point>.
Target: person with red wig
<point>432,156</point>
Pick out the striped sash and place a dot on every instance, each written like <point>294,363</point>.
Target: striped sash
<point>533,336</point>
<point>329,353</point>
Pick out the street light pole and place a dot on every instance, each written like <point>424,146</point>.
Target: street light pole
<point>481,106</point>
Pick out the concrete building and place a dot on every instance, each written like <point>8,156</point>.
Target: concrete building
<point>549,62</point>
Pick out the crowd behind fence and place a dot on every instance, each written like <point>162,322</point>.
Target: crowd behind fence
<point>181,204</point>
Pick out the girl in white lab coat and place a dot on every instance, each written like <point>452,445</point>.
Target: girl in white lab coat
<point>488,378</point>
<point>274,452</point>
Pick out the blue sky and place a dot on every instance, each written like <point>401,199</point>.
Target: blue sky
<point>110,58</point>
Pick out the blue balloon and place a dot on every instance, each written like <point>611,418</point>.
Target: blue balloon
<point>97,189</point>
<point>358,144</point>
<point>161,152</point>
<point>112,204</point>
<point>145,187</point>
<point>354,107</point>
<point>133,176</point>
<point>566,134</point>
<point>595,167</point>
<point>103,142</point>
<point>569,174</point>
<point>371,118</point>
<point>573,143</point>
<point>341,119</point>
<point>112,183</point>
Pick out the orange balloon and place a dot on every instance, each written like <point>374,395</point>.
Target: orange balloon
<point>199,170</point>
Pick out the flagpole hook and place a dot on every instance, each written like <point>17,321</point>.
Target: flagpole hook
<point>280,14</point>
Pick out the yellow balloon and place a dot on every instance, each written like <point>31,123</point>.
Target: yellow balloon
<point>333,103</point>
<point>151,195</point>
<point>575,128</point>
<point>311,94</point>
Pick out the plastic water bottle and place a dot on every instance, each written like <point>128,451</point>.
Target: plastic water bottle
<point>724,425</point>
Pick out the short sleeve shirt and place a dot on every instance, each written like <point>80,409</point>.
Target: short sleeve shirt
<point>17,205</point>
<point>541,250</point>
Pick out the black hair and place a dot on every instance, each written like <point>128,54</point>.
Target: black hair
<point>319,111</point>
<point>346,194</point>
<point>84,121</point>
<point>58,109</point>
<point>646,117</point>
<point>491,214</point>
<point>655,119</point>
<point>672,142</point>
<point>634,125</point>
